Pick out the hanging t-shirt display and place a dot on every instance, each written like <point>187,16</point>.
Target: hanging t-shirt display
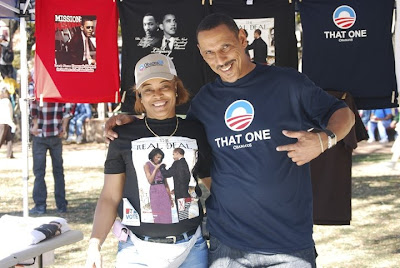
<point>76,56</point>
<point>331,173</point>
<point>275,20</point>
<point>166,27</point>
<point>347,46</point>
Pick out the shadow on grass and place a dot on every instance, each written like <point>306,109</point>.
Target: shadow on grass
<point>85,147</point>
<point>367,187</point>
<point>80,210</point>
<point>371,157</point>
<point>375,201</point>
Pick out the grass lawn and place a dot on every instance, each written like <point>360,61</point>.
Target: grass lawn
<point>372,239</point>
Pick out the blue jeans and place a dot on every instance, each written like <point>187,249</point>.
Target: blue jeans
<point>77,121</point>
<point>129,257</point>
<point>382,126</point>
<point>39,151</point>
<point>223,256</point>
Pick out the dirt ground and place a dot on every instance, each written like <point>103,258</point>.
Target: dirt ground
<point>371,240</point>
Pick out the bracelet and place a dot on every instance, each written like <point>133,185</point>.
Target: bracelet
<point>320,142</point>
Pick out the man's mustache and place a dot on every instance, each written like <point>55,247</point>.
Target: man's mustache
<point>225,64</point>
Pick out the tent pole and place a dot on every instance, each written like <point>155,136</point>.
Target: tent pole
<point>24,115</point>
<point>397,45</point>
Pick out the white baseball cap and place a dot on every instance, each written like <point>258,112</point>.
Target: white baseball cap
<point>154,66</point>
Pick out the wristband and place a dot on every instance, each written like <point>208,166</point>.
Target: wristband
<point>332,140</point>
<point>96,242</point>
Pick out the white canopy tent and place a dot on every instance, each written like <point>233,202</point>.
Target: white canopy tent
<point>10,7</point>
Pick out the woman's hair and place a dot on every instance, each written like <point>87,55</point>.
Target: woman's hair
<point>155,152</point>
<point>183,95</point>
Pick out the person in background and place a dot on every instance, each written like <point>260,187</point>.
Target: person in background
<point>12,87</point>
<point>158,91</point>
<point>6,68</point>
<point>7,125</point>
<point>365,115</point>
<point>82,114</point>
<point>380,118</point>
<point>47,130</point>
<point>110,109</point>
<point>395,121</point>
<point>396,145</point>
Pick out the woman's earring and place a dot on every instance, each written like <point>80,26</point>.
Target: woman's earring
<point>176,94</point>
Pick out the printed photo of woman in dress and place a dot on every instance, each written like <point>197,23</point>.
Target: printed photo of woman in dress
<point>160,194</point>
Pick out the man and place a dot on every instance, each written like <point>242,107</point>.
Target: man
<point>179,170</point>
<point>7,125</point>
<point>81,48</point>
<point>169,27</point>
<point>260,207</point>
<point>150,27</point>
<point>47,132</point>
<point>380,118</point>
<point>259,47</point>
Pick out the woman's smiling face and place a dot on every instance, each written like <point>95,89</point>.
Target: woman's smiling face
<point>158,97</point>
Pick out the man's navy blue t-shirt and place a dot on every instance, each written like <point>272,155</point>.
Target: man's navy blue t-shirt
<point>260,200</point>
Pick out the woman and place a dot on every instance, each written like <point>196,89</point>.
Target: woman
<point>160,195</point>
<point>7,126</point>
<point>178,242</point>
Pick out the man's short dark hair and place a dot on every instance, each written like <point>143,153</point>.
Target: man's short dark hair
<point>165,13</point>
<point>149,14</point>
<point>156,17</point>
<point>179,151</point>
<point>257,31</point>
<point>214,20</point>
<point>87,18</point>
